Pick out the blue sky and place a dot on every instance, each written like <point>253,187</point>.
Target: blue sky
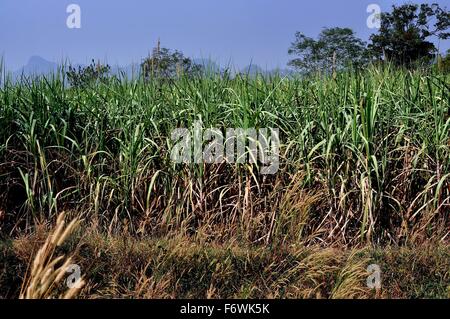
<point>121,32</point>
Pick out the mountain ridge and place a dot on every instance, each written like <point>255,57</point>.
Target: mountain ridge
<point>38,65</point>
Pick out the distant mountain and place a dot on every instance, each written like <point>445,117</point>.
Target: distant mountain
<point>39,66</point>
<point>208,65</point>
<point>283,72</point>
<point>254,69</point>
<point>129,71</point>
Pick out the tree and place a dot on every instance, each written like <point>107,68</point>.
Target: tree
<point>334,49</point>
<point>404,33</point>
<point>165,63</point>
<point>84,76</point>
<point>444,63</point>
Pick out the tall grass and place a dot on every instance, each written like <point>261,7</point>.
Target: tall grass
<point>364,157</point>
<point>47,271</point>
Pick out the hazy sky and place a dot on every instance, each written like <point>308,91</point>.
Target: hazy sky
<point>237,31</point>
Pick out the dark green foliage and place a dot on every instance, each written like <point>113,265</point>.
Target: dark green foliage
<point>404,36</point>
<point>166,64</point>
<point>85,76</point>
<point>444,63</point>
<point>335,48</point>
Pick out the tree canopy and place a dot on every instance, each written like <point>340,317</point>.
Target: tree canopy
<point>404,35</point>
<point>166,63</point>
<point>335,48</point>
<point>84,76</point>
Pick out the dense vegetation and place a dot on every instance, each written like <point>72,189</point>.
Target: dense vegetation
<point>364,162</point>
<point>366,156</point>
<point>404,38</point>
